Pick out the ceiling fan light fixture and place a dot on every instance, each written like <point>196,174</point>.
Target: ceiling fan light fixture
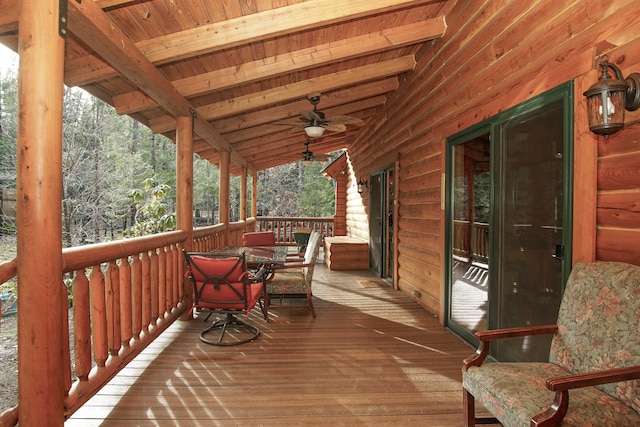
<point>314,131</point>
<point>307,156</point>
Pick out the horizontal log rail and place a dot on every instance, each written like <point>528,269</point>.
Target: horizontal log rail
<point>284,227</point>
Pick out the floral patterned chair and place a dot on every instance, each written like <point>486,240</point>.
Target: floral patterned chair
<point>293,280</point>
<point>592,375</point>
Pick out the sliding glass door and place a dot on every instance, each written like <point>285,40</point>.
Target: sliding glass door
<point>508,222</point>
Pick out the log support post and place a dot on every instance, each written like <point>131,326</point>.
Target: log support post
<point>184,189</point>
<point>42,316</point>
<point>225,158</point>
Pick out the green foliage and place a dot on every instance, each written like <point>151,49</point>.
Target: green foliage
<point>151,215</point>
<point>118,176</point>
<point>295,190</point>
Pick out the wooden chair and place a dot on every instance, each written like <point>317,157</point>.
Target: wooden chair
<point>591,377</point>
<point>294,280</point>
<point>223,285</point>
<point>259,238</point>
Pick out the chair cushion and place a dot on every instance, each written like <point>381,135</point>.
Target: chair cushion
<point>514,392</point>
<point>259,238</point>
<point>227,298</point>
<point>288,281</point>
<point>598,324</point>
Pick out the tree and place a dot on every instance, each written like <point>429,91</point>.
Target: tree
<point>151,215</point>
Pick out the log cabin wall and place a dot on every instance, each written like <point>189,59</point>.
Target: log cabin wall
<point>494,55</point>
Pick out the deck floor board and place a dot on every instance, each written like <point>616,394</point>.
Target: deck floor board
<point>372,357</point>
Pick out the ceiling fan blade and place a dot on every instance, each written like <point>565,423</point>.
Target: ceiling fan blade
<point>321,157</point>
<point>299,127</point>
<point>310,115</point>
<point>345,120</point>
<point>334,127</point>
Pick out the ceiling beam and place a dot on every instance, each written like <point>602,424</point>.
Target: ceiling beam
<point>9,16</point>
<point>88,22</point>
<point>237,31</point>
<point>299,60</point>
<point>291,91</point>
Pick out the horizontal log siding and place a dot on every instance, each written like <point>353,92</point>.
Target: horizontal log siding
<point>497,54</point>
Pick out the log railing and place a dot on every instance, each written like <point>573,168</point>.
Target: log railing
<point>471,240</point>
<point>124,294</point>
<point>284,227</point>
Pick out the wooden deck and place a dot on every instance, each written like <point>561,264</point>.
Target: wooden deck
<point>371,357</point>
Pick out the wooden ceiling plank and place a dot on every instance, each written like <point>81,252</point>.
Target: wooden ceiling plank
<point>237,31</point>
<point>290,110</point>
<point>87,21</point>
<point>293,61</point>
<point>267,24</point>
<point>295,90</point>
<point>9,16</point>
<point>286,126</point>
<point>265,161</point>
<point>283,145</point>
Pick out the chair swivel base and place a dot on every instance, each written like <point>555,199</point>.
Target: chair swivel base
<point>241,331</point>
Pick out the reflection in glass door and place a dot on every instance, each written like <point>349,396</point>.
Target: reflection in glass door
<point>508,230</point>
<point>471,191</point>
<point>530,241</point>
<point>381,200</point>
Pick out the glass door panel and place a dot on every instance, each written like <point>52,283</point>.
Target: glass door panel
<point>508,228</point>
<point>471,190</point>
<point>529,241</point>
<point>376,226</point>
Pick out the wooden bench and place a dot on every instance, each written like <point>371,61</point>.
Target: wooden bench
<point>346,253</point>
<point>591,378</point>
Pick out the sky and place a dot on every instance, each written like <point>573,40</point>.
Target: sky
<point>8,59</point>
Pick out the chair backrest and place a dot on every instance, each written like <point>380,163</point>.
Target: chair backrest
<point>310,256</point>
<point>220,282</point>
<point>259,238</point>
<point>598,323</point>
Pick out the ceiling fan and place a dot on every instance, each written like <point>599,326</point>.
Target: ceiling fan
<point>308,157</point>
<point>316,122</point>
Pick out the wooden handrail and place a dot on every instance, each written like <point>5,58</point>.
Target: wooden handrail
<point>284,227</point>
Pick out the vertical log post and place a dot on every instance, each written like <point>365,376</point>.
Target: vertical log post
<point>42,313</point>
<point>585,176</point>
<point>225,157</point>
<point>184,191</point>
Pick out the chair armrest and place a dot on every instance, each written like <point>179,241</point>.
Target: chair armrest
<point>590,379</point>
<point>553,415</point>
<point>485,338</point>
<point>285,266</point>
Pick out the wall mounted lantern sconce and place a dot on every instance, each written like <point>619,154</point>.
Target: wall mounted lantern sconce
<point>362,184</point>
<point>609,97</point>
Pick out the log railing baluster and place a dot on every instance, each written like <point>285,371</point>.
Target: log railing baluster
<point>145,261</point>
<point>81,324</point>
<point>99,316</point>
<point>126,302</point>
<point>136,295</point>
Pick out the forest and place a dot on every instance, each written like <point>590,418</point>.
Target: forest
<point>118,177</point>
